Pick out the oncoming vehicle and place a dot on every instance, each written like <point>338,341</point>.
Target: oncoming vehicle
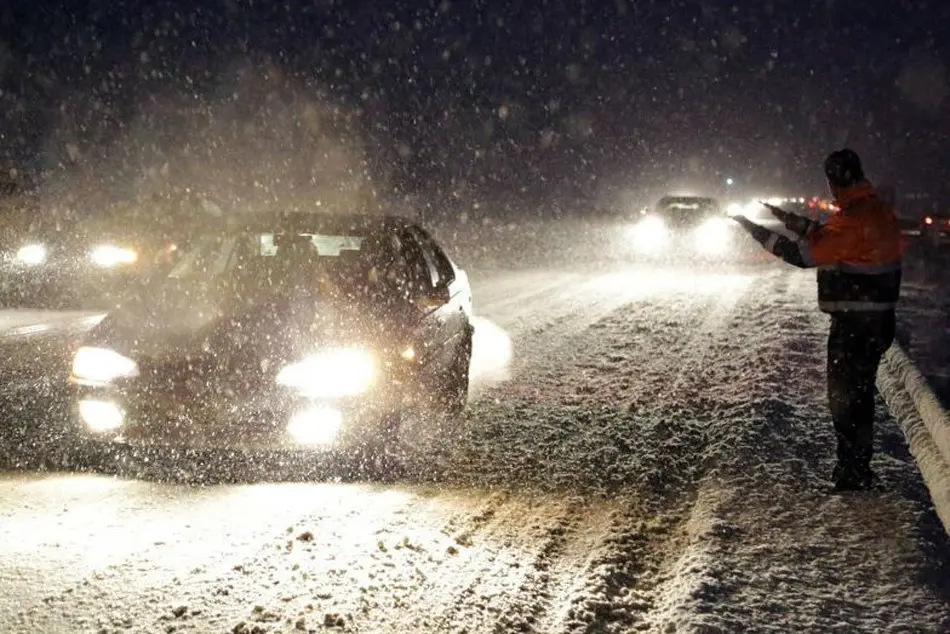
<point>69,263</point>
<point>684,225</point>
<point>283,331</point>
<point>935,228</point>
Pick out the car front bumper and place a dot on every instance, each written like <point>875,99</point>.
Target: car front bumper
<point>277,420</point>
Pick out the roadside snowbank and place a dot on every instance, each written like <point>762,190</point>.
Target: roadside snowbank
<point>926,428</point>
<point>926,403</point>
<point>915,374</point>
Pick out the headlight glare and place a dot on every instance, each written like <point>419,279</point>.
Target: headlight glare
<point>650,233</point>
<point>101,365</point>
<point>112,256</point>
<point>331,374</point>
<point>315,426</point>
<point>712,237</point>
<point>101,416</point>
<point>32,254</point>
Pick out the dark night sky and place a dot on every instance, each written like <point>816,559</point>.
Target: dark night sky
<point>501,99</point>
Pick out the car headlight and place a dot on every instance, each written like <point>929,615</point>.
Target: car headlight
<point>101,365</point>
<point>32,254</point>
<point>713,236</point>
<point>111,256</point>
<point>650,233</point>
<point>101,416</point>
<point>331,374</point>
<point>315,426</point>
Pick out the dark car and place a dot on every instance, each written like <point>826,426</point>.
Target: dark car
<point>684,225</point>
<point>283,331</point>
<point>936,229</point>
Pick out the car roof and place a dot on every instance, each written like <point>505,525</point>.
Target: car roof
<point>690,199</point>
<point>318,222</point>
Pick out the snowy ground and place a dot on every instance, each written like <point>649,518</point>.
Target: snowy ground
<point>645,451</point>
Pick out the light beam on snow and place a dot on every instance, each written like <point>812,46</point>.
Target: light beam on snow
<point>491,353</point>
<point>662,281</point>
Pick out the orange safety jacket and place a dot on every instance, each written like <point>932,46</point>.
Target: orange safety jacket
<point>857,253</point>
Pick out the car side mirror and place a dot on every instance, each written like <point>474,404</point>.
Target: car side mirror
<point>434,297</point>
<point>441,293</point>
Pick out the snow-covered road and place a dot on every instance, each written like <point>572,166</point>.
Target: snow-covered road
<point>645,451</point>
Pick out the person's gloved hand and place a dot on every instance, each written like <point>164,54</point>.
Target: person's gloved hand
<point>742,220</point>
<point>799,225</point>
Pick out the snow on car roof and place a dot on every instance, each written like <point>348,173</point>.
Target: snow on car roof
<point>319,222</point>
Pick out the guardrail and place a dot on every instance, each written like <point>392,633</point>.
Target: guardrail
<point>926,424</point>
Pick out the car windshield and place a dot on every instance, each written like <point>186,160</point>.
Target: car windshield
<point>688,205</point>
<point>270,259</point>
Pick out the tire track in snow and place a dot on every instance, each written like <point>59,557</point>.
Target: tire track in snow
<point>561,308</point>
<point>678,302</point>
<point>413,571</point>
<point>768,544</point>
<point>487,600</point>
<point>497,294</point>
<point>600,580</point>
<point>561,334</point>
<point>188,559</point>
<point>633,571</point>
<point>582,409</point>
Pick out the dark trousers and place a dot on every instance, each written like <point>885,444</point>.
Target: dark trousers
<point>856,343</point>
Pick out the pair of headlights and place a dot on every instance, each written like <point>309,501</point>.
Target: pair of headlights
<point>332,373</point>
<point>712,236</point>
<point>106,256</point>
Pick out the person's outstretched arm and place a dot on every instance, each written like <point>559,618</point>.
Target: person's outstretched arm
<point>795,252</point>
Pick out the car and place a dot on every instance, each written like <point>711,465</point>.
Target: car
<point>68,262</point>
<point>282,331</point>
<point>935,228</point>
<point>694,226</point>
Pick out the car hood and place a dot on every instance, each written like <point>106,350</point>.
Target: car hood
<point>685,219</point>
<point>182,322</point>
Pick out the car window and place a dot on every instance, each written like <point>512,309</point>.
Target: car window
<point>324,245</point>
<point>687,205</point>
<point>440,269</point>
<point>415,266</point>
<point>208,258</point>
<point>268,259</point>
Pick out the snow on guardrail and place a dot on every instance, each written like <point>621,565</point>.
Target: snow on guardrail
<point>926,424</point>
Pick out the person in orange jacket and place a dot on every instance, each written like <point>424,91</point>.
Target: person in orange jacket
<point>858,254</point>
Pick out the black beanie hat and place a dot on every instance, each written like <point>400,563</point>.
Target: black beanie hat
<point>843,168</point>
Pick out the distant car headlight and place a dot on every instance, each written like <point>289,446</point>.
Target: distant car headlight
<point>32,254</point>
<point>315,426</point>
<point>650,233</point>
<point>101,365</point>
<point>713,236</point>
<point>331,374</point>
<point>101,416</point>
<point>112,256</point>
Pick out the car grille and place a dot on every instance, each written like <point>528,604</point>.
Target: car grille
<point>200,390</point>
